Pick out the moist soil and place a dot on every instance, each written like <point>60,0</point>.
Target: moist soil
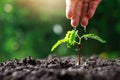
<point>60,68</point>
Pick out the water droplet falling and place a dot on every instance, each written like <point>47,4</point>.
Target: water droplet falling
<point>86,38</point>
<point>74,28</point>
<point>85,29</point>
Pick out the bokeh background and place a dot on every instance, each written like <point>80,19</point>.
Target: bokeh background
<point>31,27</point>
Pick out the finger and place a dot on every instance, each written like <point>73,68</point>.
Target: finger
<point>75,21</point>
<point>84,9</point>
<point>92,8</point>
<point>77,13</point>
<point>78,8</point>
<point>84,21</point>
<point>70,5</point>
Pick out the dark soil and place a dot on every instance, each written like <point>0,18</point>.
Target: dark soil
<point>60,68</point>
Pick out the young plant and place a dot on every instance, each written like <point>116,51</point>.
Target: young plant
<point>71,38</point>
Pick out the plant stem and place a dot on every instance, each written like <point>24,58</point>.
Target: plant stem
<point>78,58</point>
<point>79,39</point>
<point>79,46</point>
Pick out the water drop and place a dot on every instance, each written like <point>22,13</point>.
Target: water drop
<point>85,29</point>
<point>74,28</point>
<point>86,38</point>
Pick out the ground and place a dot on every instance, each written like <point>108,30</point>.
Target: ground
<point>60,68</point>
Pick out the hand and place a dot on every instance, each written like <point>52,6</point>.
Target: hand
<point>80,11</point>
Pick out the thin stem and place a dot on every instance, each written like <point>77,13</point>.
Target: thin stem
<point>78,36</point>
<point>79,39</point>
<point>79,46</point>
<point>78,58</point>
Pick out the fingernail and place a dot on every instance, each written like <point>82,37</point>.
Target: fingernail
<point>83,26</point>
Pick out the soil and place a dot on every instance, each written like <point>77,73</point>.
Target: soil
<point>60,68</point>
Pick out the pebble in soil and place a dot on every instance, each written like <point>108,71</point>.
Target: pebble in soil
<point>60,68</point>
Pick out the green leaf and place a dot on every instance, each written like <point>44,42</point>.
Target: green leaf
<point>72,37</point>
<point>59,42</point>
<point>68,45</point>
<point>93,36</point>
<point>69,39</point>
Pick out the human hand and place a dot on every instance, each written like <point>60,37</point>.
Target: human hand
<point>80,11</point>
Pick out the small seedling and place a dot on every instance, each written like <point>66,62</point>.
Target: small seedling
<point>73,38</point>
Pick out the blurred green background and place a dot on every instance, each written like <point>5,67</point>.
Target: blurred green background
<point>31,27</point>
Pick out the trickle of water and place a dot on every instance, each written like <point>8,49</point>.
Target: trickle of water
<point>74,28</point>
<point>85,29</point>
<point>86,38</point>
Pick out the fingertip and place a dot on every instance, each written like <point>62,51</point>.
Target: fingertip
<point>69,14</point>
<point>74,21</point>
<point>84,21</point>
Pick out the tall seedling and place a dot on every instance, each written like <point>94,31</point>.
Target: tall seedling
<point>71,38</point>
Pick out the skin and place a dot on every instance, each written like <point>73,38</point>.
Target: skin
<point>80,11</point>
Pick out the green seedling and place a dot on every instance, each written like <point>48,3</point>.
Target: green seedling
<point>72,38</point>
